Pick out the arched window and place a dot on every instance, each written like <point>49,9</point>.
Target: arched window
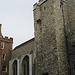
<point>2,45</point>
<point>15,67</point>
<point>26,65</point>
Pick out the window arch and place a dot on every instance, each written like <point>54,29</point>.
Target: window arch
<point>26,65</point>
<point>15,67</point>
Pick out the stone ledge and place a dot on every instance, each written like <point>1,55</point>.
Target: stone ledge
<point>39,3</point>
<point>34,6</point>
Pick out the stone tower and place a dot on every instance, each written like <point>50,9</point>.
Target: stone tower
<point>54,22</point>
<point>5,53</point>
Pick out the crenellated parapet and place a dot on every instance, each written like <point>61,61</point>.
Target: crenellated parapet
<point>6,39</point>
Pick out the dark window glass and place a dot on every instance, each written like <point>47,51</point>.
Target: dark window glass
<point>4,68</point>
<point>45,73</point>
<point>15,67</point>
<point>4,56</point>
<point>24,69</point>
<point>26,65</point>
<point>2,45</point>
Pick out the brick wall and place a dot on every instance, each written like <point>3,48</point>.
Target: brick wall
<point>5,50</point>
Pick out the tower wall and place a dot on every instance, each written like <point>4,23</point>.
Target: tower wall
<point>61,38</point>
<point>69,16</point>
<point>54,35</point>
<point>5,54</point>
<point>46,61</point>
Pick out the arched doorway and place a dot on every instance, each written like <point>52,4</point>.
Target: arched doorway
<point>26,65</point>
<point>15,67</point>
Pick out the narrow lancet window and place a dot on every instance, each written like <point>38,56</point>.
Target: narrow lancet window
<point>26,65</point>
<point>15,67</point>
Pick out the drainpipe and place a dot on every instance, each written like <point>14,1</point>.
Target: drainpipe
<point>67,49</point>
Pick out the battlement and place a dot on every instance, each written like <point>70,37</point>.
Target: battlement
<point>39,3</point>
<point>6,39</point>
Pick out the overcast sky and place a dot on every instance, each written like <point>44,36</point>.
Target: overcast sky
<point>16,17</point>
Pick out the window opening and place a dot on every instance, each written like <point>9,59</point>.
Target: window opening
<point>26,65</point>
<point>3,57</point>
<point>15,67</point>
<point>39,21</point>
<point>44,8</point>
<point>4,68</point>
<point>45,73</point>
<point>2,45</point>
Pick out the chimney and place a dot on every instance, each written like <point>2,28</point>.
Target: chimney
<point>0,30</point>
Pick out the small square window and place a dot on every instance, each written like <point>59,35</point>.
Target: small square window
<point>2,45</point>
<point>4,68</point>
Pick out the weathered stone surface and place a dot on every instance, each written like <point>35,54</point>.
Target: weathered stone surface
<point>54,37</point>
<point>25,48</point>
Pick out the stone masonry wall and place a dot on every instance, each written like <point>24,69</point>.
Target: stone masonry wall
<point>61,38</point>
<point>54,35</point>
<point>46,61</point>
<point>69,23</point>
<point>69,13</point>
